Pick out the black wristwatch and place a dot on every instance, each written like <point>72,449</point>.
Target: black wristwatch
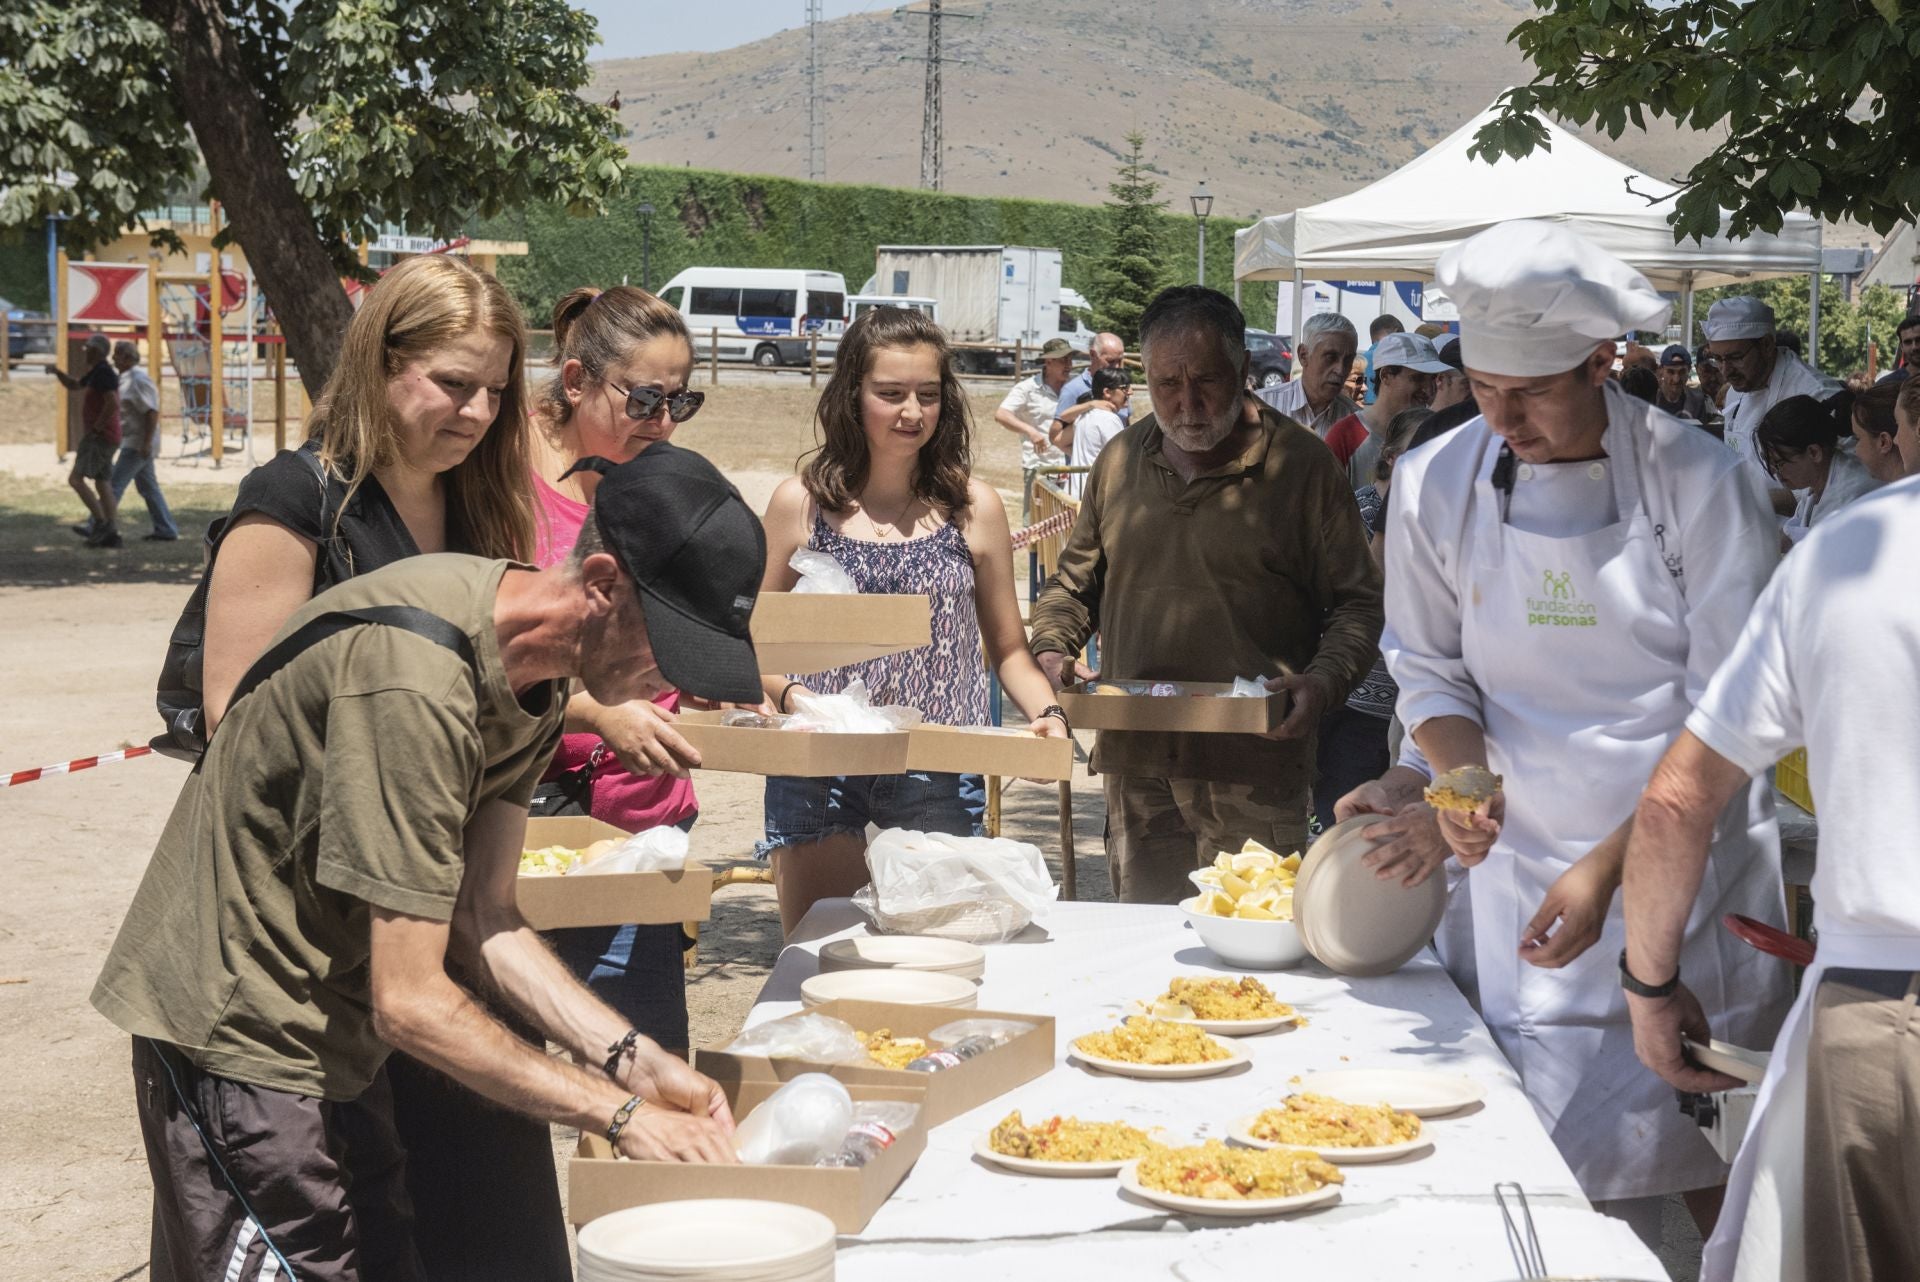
<point>1638,989</point>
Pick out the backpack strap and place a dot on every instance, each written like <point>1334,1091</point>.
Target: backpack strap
<point>407,618</point>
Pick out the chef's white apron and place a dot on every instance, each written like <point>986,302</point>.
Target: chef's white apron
<point>1761,1234</point>
<point>1579,649</point>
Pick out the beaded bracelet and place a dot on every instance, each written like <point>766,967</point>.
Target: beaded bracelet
<point>1056,711</point>
<point>621,1116</point>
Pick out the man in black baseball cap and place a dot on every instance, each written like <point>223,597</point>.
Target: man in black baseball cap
<point>1678,399</point>
<point>337,881</point>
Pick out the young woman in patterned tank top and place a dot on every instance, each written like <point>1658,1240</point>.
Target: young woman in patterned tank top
<point>888,494</point>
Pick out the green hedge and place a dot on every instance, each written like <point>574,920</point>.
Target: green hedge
<point>705,218</point>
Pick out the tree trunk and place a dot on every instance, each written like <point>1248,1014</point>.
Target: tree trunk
<point>218,95</point>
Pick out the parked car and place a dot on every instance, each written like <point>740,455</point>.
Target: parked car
<point>23,340</point>
<point>1269,358</point>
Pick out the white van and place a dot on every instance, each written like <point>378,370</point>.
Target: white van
<point>764,314</point>
<point>928,307</point>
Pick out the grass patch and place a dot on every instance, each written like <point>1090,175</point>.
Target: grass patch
<point>37,549</point>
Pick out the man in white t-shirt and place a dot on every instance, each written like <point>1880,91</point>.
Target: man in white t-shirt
<point>1028,409</point>
<point>1827,661</point>
<point>140,442</point>
<point>1087,435</point>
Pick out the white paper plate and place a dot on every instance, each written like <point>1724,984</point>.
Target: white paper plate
<point>1350,920</point>
<point>1734,1061</point>
<point>1130,1182</point>
<point>1232,1027</point>
<point>983,1148</point>
<point>706,1238</point>
<point>904,952</point>
<point>1241,1131</point>
<point>1422,1092</point>
<point>1121,1068</point>
<point>907,987</point>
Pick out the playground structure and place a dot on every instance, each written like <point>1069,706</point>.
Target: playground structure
<point>211,327</point>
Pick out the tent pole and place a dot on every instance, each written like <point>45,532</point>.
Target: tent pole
<point>1299,305</point>
<point>1686,314</point>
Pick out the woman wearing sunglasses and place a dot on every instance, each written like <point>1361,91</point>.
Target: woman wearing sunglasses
<point>623,359</point>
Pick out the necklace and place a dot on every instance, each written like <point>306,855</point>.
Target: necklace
<point>889,529</point>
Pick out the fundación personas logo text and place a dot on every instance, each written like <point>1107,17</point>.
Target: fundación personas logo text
<point>1559,605</point>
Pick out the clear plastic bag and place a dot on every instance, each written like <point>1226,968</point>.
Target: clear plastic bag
<point>849,712</point>
<point>818,1039</point>
<point>748,719</point>
<point>978,889</point>
<point>655,850</point>
<point>1001,1031</point>
<point>1248,688</point>
<point>798,1125</point>
<point>820,573</point>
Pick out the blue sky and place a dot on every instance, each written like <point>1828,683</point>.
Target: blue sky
<point>636,28</point>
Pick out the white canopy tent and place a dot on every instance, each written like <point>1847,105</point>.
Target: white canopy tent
<point>1397,228</point>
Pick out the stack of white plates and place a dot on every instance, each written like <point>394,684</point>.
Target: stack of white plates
<point>905,987</point>
<point>714,1240</point>
<point>905,952</point>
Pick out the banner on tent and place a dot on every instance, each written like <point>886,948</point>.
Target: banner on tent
<point>106,293</point>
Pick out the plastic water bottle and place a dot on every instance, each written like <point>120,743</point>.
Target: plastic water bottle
<point>964,1049</point>
<point>865,1141</point>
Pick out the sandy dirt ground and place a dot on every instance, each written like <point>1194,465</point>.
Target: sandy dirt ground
<point>81,636</point>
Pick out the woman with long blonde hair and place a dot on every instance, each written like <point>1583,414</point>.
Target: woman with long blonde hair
<point>420,445</point>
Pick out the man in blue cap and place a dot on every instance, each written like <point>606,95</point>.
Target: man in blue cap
<point>1678,399</point>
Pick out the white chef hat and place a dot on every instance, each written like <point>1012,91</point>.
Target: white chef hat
<point>1536,298</point>
<point>1736,318</point>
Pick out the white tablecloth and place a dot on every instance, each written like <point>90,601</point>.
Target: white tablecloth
<point>956,1217</point>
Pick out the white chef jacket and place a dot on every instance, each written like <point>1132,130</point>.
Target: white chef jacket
<point>1718,543</point>
<point>1829,661</point>
<point>1847,480</point>
<point>1743,411</point>
<point>1291,399</point>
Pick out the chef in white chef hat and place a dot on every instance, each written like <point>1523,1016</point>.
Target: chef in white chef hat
<point>1760,374</point>
<point>1564,574</point>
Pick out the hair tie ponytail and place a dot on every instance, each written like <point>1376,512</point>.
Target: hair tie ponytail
<point>569,309</point>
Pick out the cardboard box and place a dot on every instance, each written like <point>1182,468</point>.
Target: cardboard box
<point>1200,710</point>
<point>813,632</point>
<point>807,754</point>
<point>954,1091</point>
<point>607,899</point>
<point>960,751</point>
<point>598,1182</point>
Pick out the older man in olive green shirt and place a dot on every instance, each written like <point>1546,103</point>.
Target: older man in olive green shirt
<point>1216,539</point>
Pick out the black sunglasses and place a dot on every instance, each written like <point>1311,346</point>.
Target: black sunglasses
<point>644,402</point>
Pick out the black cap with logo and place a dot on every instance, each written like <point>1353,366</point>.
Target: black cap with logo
<point>696,554</point>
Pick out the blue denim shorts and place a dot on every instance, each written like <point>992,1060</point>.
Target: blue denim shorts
<point>804,810</point>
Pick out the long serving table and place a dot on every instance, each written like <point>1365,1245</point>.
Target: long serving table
<point>955,1217</point>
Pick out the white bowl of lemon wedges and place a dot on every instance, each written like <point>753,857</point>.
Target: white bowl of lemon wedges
<point>1243,911</point>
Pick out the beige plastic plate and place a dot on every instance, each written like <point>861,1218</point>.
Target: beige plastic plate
<point>1351,921</point>
<point>1241,1131</point>
<point>1422,1092</point>
<point>1734,1061</point>
<point>1253,1208</point>
<point>983,1147</point>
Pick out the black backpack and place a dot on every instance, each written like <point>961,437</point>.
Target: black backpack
<point>179,695</point>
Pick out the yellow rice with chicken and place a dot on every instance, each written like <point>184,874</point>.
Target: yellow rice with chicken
<point>1069,1139</point>
<point>1245,998</point>
<point>888,1051</point>
<point>1152,1041</point>
<point>1225,1174</point>
<point>1316,1121</point>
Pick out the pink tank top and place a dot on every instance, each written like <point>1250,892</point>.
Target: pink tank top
<point>627,801</point>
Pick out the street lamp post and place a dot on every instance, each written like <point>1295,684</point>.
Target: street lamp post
<point>646,246</point>
<point>1202,206</point>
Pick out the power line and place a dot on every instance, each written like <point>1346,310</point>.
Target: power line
<point>931,148</point>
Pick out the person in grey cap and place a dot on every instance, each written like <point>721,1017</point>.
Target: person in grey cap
<point>337,879</point>
<point>1028,410</point>
<point>1678,399</point>
<point>1740,335</point>
<point>1405,368</point>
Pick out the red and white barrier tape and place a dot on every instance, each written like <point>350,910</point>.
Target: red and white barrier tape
<point>1042,529</point>
<point>68,767</point>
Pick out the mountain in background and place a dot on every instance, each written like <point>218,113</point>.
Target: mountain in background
<point>1277,103</point>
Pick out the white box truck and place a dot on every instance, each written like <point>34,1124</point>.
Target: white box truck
<point>987,294</point>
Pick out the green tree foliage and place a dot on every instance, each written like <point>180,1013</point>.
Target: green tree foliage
<point>1845,327</point>
<point>319,122</point>
<point>1816,101</point>
<point>708,219</point>
<point>1133,269</point>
